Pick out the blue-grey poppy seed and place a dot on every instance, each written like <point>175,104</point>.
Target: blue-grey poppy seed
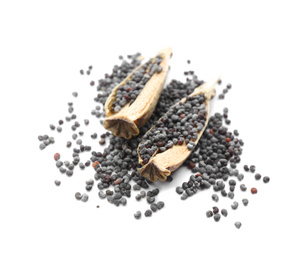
<point>258,176</point>
<point>137,215</point>
<point>59,164</point>
<point>78,195</point>
<point>143,194</point>
<point>148,213</point>
<point>84,197</point>
<point>153,207</point>
<point>102,194</point>
<point>243,187</point>
<point>240,177</point>
<point>184,196</point>
<point>238,224</point>
<point>209,213</point>
<point>69,173</point>
<point>266,179</point>
<point>234,205</point>
<point>160,204</point>
<point>231,195</point>
<point>217,217</point>
<point>179,190</point>
<point>245,202</point>
<point>224,212</point>
<point>215,197</point>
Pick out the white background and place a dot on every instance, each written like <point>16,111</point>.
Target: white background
<point>258,46</point>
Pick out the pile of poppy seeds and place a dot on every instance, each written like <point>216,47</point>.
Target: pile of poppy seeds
<point>213,161</point>
<point>182,122</point>
<point>128,92</point>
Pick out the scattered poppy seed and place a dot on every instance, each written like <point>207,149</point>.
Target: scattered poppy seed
<point>69,173</point>
<point>217,217</point>
<point>148,213</point>
<point>252,168</point>
<point>56,156</point>
<point>84,197</point>
<point>243,187</point>
<point>153,207</point>
<point>231,195</point>
<point>266,179</point>
<point>92,83</point>
<point>75,94</point>
<point>224,212</point>
<point>209,214</point>
<point>215,197</point>
<point>160,204</point>
<point>234,205</point>
<point>238,225</point>
<point>137,215</point>
<point>78,195</point>
<point>179,190</point>
<point>57,182</point>
<point>254,190</point>
<point>257,176</point>
<point>215,210</point>
<point>42,146</point>
<point>240,177</point>
<point>245,202</point>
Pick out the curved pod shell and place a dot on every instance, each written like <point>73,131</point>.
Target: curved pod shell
<point>131,117</point>
<point>162,164</point>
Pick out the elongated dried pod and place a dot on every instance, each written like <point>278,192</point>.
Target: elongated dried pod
<point>167,145</point>
<point>131,103</point>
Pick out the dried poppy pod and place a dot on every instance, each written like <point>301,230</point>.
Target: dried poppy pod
<point>132,102</point>
<point>168,144</point>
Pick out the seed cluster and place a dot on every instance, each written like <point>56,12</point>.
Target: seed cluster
<point>224,91</point>
<point>180,125</point>
<point>45,141</point>
<point>129,92</point>
<point>119,73</point>
<point>217,149</point>
<point>116,166</point>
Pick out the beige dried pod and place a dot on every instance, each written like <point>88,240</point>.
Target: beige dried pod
<point>161,164</point>
<point>124,120</point>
